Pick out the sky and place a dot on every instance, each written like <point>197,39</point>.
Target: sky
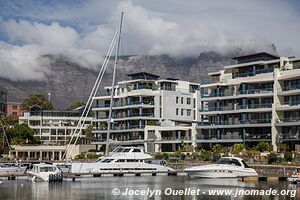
<point>83,30</point>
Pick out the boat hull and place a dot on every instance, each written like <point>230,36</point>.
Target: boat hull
<point>220,171</point>
<point>12,171</point>
<point>88,168</point>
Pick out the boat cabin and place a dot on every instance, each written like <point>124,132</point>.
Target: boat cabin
<point>232,161</point>
<point>43,168</point>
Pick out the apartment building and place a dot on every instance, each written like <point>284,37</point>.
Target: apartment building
<point>14,110</point>
<point>53,127</point>
<point>3,101</point>
<point>159,114</point>
<point>255,100</point>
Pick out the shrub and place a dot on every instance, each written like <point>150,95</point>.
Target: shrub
<point>272,158</point>
<point>238,148</point>
<point>288,156</point>
<point>262,146</point>
<point>205,155</point>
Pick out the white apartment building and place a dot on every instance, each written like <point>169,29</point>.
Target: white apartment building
<point>53,127</point>
<point>257,99</point>
<point>159,114</point>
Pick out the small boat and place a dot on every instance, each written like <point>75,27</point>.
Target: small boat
<point>122,160</point>
<point>12,169</point>
<point>295,177</point>
<point>45,172</point>
<point>226,167</point>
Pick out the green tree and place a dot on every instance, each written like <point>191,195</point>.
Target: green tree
<point>37,99</point>
<point>238,148</point>
<point>76,105</point>
<point>262,146</point>
<point>272,158</point>
<point>23,134</point>
<point>88,133</point>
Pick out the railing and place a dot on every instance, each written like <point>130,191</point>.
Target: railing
<point>256,91</point>
<point>264,70</point>
<point>289,136</point>
<point>290,119</point>
<point>175,138</point>
<point>126,104</point>
<point>121,127</point>
<point>216,94</point>
<point>254,106</point>
<point>239,122</point>
<point>215,137</point>
<point>291,103</point>
<point>258,137</point>
<point>124,138</point>
<point>291,87</point>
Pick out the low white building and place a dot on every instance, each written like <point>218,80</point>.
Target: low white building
<point>53,127</point>
<point>159,114</point>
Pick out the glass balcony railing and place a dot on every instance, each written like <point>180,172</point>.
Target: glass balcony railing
<point>237,122</point>
<point>289,136</point>
<point>264,70</point>
<point>225,108</point>
<point>252,73</point>
<point>121,127</point>
<point>291,87</point>
<point>175,138</point>
<point>258,137</point>
<point>216,94</point>
<point>254,106</point>
<point>256,91</point>
<point>221,137</point>
<point>291,103</point>
<point>289,119</point>
<point>126,104</point>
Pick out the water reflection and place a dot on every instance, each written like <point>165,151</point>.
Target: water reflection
<point>101,188</point>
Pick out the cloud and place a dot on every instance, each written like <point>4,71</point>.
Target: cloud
<point>84,29</point>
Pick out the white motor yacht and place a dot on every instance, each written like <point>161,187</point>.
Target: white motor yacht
<point>122,160</point>
<point>11,169</point>
<point>45,172</point>
<point>226,167</point>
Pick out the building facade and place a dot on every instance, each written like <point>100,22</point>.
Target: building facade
<point>257,99</point>
<point>14,110</point>
<point>160,114</point>
<point>3,101</point>
<point>53,127</point>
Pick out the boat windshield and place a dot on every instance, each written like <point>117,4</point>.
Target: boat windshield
<point>245,164</point>
<point>47,169</point>
<point>228,161</point>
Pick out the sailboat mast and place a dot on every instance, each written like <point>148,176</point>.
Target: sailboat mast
<point>113,88</point>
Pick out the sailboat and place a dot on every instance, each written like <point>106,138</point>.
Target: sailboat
<point>122,159</point>
<point>10,169</point>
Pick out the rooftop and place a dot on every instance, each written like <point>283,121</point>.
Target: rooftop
<point>262,56</point>
<point>143,75</point>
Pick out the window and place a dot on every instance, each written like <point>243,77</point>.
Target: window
<point>181,112</point>
<point>188,112</point>
<point>15,107</point>
<point>14,113</point>
<point>194,114</point>
<point>177,100</point>
<point>194,103</point>
<point>177,110</point>
<point>136,150</point>
<point>188,101</point>
<point>181,100</point>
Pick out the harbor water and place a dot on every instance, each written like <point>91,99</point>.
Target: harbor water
<point>146,187</point>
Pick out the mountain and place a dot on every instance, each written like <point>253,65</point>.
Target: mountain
<point>68,82</point>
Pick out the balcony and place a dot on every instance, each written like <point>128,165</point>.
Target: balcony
<point>213,108</point>
<point>120,127</point>
<point>237,122</point>
<point>222,138</point>
<point>288,120</point>
<point>218,94</point>
<point>256,137</point>
<point>187,138</point>
<point>291,87</point>
<point>256,91</point>
<point>150,103</point>
<point>289,136</point>
<point>252,73</point>
<point>255,106</point>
